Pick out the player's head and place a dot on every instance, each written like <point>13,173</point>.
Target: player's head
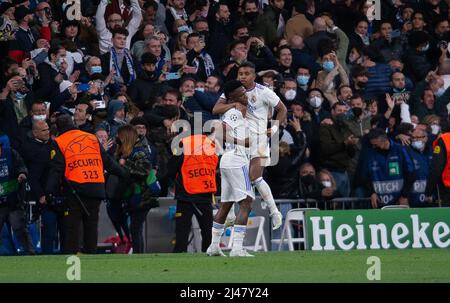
<point>235,92</point>
<point>246,74</point>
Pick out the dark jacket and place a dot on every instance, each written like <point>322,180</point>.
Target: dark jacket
<point>417,65</point>
<point>36,155</point>
<point>8,120</point>
<point>105,60</point>
<point>144,91</point>
<point>92,190</point>
<point>203,103</point>
<point>48,87</point>
<point>312,42</point>
<point>335,155</point>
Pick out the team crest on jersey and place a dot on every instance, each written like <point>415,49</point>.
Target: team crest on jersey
<point>253,99</point>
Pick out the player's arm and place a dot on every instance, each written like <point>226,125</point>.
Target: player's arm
<point>281,112</point>
<point>222,107</point>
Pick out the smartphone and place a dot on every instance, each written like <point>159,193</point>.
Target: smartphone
<point>395,34</point>
<point>99,104</point>
<point>172,76</point>
<point>83,87</point>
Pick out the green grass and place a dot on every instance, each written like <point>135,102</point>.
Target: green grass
<point>427,265</point>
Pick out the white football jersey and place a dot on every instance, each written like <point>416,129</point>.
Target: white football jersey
<point>261,101</point>
<point>235,155</point>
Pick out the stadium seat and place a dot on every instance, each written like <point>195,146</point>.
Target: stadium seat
<point>260,240</point>
<point>395,207</point>
<point>296,215</point>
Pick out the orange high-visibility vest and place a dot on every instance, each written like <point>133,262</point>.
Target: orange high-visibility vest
<point>199,165</point>
<point>82,155</point>
<point>446,173</point>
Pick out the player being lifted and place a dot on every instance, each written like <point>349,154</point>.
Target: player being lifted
<point>261,101</point>
<point>234,171</point>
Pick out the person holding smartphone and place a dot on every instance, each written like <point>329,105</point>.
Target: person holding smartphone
<point>390,42</point>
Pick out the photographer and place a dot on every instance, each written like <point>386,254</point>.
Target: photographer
<point>13,172</point>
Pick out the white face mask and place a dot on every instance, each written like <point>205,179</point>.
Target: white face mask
<point>290,94</point>
<point>435,129</point>
<point>39,117</point>
<point>440,91</point>
<point>315,102</point>
<point>326,183</point>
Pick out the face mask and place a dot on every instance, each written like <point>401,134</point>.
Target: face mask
<point>418,145</point>
<point>39,117</point>
<point>326,183</point>
<point>183,28</point>
<point>200,89</point>
<point>204,34</point>
<point>20,96</point>
<point>357,111</point>
<point>302,80</point>
<point>315,102</point>
<point>435,129</point>
<point>339,118</point>
<point>362,84</point>
<point>290,94</point>
<point>399,90</point>
<point>328,66</point>
<point>251,16</point>
<point>59,62</point>
<point>96,69</point>
<point>425,48</point>
<point>308,179</point>
<point>440,92</point>
<point>176,67</point>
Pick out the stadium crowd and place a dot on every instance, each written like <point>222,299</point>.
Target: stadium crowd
<point>367,99</point>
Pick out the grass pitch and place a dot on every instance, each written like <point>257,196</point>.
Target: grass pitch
<point>426,265</point>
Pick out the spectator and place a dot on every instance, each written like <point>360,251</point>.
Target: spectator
<point>416,61</point>
<point>115,21</point>
<point>120,60</point>
<point>82,116</point>
<point>147,86</point>
<point>133,154</point>
<point>138,48</point>
<point>326,78</point>
<point>320,32</point>
<point>116,118</point>
<point>338,147</point>
<point>256,23</point>
<point>298,24</point>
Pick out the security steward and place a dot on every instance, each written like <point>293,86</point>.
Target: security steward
<point>438,182</point>
<point>194,172</point>
<point>77,164</point>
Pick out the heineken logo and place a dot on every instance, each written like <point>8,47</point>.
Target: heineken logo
<point>378,229</point>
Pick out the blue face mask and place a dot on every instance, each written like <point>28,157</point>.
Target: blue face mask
<point>96,69</point>
<point>302,80</point>
<point>183,28</point>
<point>418,145</point>
<point>328,66</point>
<point>200,89</point>
<point>20,96</point>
